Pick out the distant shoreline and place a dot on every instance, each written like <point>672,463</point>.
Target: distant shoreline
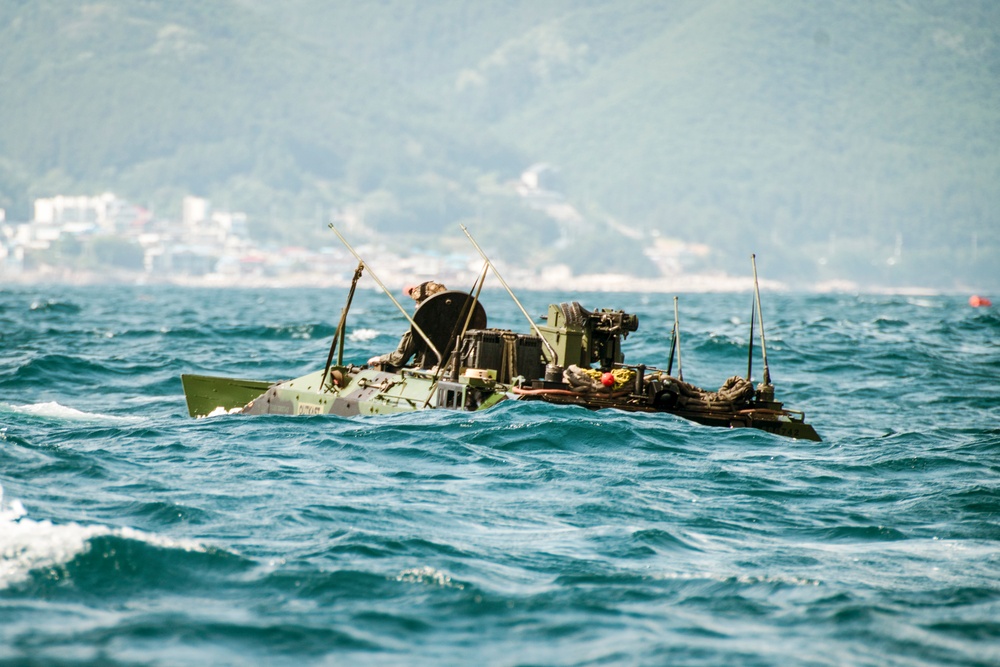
<point>687,283</point>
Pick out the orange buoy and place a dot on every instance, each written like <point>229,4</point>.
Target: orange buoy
<point>607,379</point>
<point>976,301</point>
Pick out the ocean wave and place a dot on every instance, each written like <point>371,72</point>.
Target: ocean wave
<point>61,413</point>
<point>28,546</point>
<point>54,368</point>
<point>54,306</point>
<point>736,579</point>
<point>528,533</point>
<point>429,576</point>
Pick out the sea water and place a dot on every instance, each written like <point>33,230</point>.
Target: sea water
<point>529,534</point>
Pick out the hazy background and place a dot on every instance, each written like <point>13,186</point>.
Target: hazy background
<point>841,140</point>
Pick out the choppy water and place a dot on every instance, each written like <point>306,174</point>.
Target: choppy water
<point>526,535</point>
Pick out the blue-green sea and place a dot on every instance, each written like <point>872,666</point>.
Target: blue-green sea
<point>530,534</point>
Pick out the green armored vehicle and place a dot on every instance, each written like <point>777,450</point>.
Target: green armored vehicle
<point>459,363</point>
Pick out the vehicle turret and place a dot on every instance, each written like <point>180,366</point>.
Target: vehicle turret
<point>584,338</point>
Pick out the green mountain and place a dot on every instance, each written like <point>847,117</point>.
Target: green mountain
<point>850,140</point>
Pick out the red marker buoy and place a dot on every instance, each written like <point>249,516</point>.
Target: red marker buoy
<point>607,379</point>
<point>976,301</point>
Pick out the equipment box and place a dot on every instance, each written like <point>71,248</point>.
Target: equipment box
<point>529,357</point>
<point>507,353</point>
<point>482,348</point>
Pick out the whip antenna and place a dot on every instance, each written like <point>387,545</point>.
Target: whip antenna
<point>389,294</point>
<point>760,320</point>
<point>555,357</point>
<point>676,344</point>
<point>753,314</point>
<point>339,334</point>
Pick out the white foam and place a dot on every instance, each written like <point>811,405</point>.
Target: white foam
<point>54,410</point>
<point>745,579</point>
<point>27,545</point>
<point>361,335</point>
<point>221,412</point>
<point>427,575</point>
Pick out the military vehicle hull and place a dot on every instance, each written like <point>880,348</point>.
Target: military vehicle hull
<point>361,392</point>
<point>211,395</point>
<point>352,390</point>
<point>458,363</point>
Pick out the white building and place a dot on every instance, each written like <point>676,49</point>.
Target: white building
<point>194,212</point>
<point>106,213</point>
<point>61,210</point>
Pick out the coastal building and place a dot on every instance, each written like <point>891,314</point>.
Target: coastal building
<point>103,213</point>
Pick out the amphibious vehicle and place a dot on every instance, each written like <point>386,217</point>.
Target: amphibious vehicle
<point>574,358</point>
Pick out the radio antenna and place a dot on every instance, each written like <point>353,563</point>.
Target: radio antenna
<point>389,294</point>
<point>753,314</point>
<point>548,346</point>
<point>339,335</point>
<point>676,344</point>
<point>760,320</point>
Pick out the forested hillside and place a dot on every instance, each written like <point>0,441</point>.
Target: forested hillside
<point>839,140</point>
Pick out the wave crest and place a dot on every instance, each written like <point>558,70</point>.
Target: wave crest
<point>27,545</point>
<point>57,411</point>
